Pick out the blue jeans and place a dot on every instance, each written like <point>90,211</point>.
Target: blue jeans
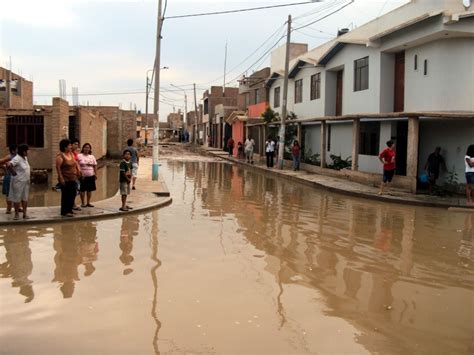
<point>296,162</point>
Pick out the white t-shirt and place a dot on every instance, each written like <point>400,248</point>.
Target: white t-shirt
<point>468,168</point>
<point>22,168</point>
<point>249,144</point>
<point>270,146</point>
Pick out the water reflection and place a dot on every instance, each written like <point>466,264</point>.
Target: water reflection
<point>18,265</point>
<point>67,259</point>
<point>129,229</point>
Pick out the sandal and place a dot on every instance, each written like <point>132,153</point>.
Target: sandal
<point>129,208</point>
<point>89,205</point>
<point>77,208</point>
<point>68,215</point>
<point>83,206</point>
<point>16,218</point>
<point>27,217</point>
<point>8,212</point>
<point>123,209</point>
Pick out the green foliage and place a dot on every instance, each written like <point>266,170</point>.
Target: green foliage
<point>269,115</point>
<point>292,116</point>
<point>310,158</point>
<point>338,163</point>
<point>451,183</point>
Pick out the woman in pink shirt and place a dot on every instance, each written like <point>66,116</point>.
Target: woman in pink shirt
<point>88,166</point>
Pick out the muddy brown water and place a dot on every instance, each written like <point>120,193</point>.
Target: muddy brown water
<point>242,263</point>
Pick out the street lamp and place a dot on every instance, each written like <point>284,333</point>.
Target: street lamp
<point>185,106</point>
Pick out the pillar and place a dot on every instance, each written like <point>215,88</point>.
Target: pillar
<point>59,130</point>
<point>412,151</point>
<point>323,144</point>
<point>298,132</point>
<point>355,143</point>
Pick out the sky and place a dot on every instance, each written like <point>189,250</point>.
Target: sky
<point>105,48</point>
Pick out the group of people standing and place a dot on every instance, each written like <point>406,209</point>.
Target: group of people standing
<point>77,174</point>
<point>272,149</point>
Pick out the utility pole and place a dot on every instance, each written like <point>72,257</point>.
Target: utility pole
<point>196,115</point>
<point>146,112</point>
<point>156,101</point>
<point>185,122</point>
<point>284,113</point>
<point>225,68</point>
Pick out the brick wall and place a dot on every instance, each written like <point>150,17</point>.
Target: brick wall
<point>58,129</point>
<point>23,98</point>
<point>92,129</point>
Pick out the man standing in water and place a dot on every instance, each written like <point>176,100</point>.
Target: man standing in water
<point>432,166</point>
<point>134,160</point>
<point>387,158</point>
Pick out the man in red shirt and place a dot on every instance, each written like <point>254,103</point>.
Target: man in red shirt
<point>387,158</point>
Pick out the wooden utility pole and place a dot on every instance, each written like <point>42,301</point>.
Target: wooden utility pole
<point>196,115</point>
<point>146,112</point>
<point>284,112</point>
<point>156,101</point>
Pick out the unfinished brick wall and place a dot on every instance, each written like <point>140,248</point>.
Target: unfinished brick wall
<point>92,129</point>
<point>21,99</point>
<point>59,129</point>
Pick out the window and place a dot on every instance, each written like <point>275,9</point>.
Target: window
<point>316,86</point>
<point>425,67</point>
<point>206,106</point>
<point>26,129</point>
<point>276,98</point>
<point>361,74</point>
<point>298,91</point>
<point>369,138</point>
<point>257,96</point>
<point>415,62</point>
<point>329,138</point>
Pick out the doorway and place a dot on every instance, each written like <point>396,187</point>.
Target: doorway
<point>399,82</point>
<point>339,76</point>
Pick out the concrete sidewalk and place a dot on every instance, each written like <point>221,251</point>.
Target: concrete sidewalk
<point>349,187</point>
<point>148,195</point>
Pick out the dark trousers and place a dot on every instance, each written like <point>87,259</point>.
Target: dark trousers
<point>68,195</point>
<point>269,159</point>
<point>231,150</point>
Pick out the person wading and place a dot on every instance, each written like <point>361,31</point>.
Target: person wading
<point>68,174</point>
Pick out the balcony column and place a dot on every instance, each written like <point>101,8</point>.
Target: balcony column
<point>298,132</point>
<point>323,144</point>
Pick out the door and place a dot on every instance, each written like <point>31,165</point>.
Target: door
<point>339,92</point>
<point>399,89</point>
<point>401,148</point>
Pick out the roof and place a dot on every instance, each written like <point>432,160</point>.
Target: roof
<point>237,116</point>
<point>274,76</point>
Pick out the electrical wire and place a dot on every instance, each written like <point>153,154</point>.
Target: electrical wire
<point>325,16</point>
<point>243,10</point>
<point>313,36</point>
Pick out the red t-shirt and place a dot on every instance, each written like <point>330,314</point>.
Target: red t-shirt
<point>296,150</point>
<point>230,142</point>
<point>388,156</point>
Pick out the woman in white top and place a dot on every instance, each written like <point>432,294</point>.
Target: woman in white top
<point>469,162</point>
<point>20,182</point>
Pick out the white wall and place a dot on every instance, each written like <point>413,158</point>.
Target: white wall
<point>453,136</point>
<point>312,138</point>
<point>449,85</point>
<point>308,108</point>
<point>365,101</point>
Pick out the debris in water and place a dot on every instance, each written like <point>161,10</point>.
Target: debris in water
<point>237,322</point>
<point>258,256</point>
<point>388,308</point>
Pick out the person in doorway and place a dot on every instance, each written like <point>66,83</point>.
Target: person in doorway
<point>230,146</point>
<point>68,174</point>
<point>249,146</point>
<point>8,174</point>
<point>20,181</point>
<point>432,167</point>
<point>269,151</point>
<point>469,163</point>
<point>387,158</point>
<point>135,160</point>
<point>296,154</point>
<point>125,178</point>
<point>88,166</point>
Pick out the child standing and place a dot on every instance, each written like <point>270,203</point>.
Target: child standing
<point>125,178</point>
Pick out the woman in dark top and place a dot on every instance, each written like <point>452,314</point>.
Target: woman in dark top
<point>68,173</point>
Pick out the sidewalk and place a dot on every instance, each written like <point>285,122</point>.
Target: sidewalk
<point>148,195</point>
<point>349,187</point>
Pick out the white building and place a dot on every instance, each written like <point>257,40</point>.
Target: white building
<point>406,76</point>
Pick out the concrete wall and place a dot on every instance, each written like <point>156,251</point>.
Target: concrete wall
<point>453,136</point>
<point>341,140</point>
<point>312,139</point>
<point>365,101</point>
<point>308,108</point>
<point>371,163</point>
<point>278,55</point>
<point>449,84</point>
<point>92,129</point>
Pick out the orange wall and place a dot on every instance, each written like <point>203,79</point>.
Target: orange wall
<point>256,110</point>
<point>237,134</point>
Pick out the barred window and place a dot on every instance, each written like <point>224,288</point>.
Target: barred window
<point>316,86</point>
<point>361,74</point>
<point>26,129</point>
<point>298,91</point>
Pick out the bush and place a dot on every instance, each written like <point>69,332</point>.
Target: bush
<point>338,163</point>
<point>269,115</point>
<point>310,158</point>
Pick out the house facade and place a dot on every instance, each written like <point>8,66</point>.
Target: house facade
<point>406,76</point>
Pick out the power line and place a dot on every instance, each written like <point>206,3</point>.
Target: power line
<point>243,10</point>
<point>325,16</point>
<point>313,36</point>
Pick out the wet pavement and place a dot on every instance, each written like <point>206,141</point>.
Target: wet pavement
<point>242,262</point>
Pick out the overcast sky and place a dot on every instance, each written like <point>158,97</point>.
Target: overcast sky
<point>107,46</point>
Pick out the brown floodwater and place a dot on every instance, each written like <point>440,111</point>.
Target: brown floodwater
<point>242,263</point>
<point>42,195</point>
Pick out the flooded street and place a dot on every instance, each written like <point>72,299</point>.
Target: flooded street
<point>246,263</point>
